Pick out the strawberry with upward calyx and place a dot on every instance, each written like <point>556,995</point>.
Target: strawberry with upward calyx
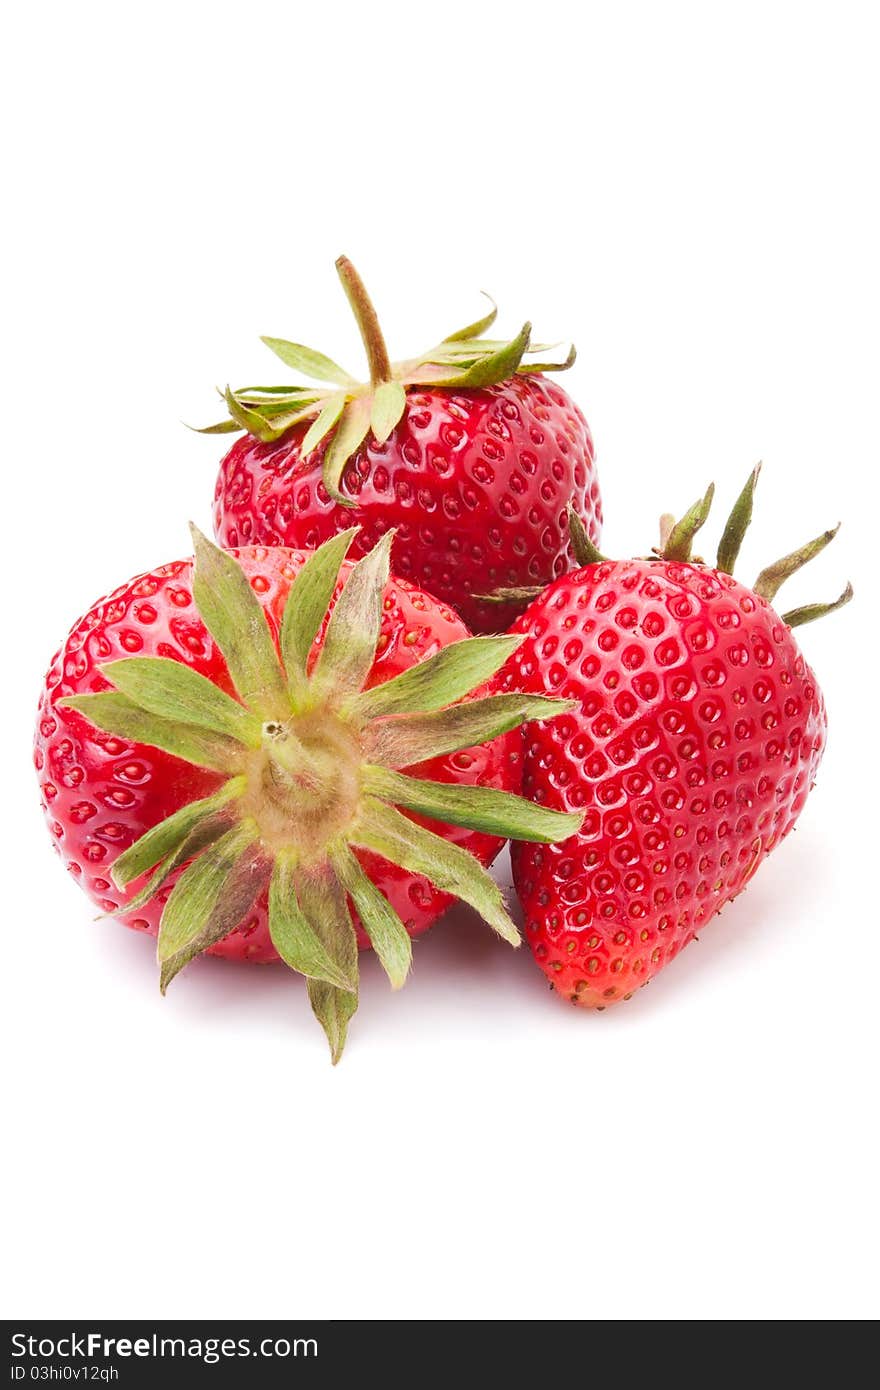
<point>467,450</point>
<point>225,765</point>
<point>697,738</point>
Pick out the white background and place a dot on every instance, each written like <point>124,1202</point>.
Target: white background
<point>690,191</point>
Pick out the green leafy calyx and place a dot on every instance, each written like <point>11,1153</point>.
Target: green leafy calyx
<point>340,411</point>
<point>677,542</point>
<point>677,538</point>
<point>313,767</point>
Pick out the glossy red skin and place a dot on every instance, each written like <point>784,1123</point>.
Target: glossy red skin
<point>698,738</point>
<point>101,793</point>
<point>477,483</point>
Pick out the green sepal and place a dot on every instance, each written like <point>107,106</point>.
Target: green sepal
<point>312,364</point>
<point>466,352</point>
<point>266,412</point>
<point>530,368</point>
<point>210,898</point>
<point>307,604</point>
<point>414,738</point>
<point>349,648</point>
<point>737,524</point>
<point>771,579</point>
<point>522,593</point>
<point>439,680</point>
<point>290,395</point>
<point>115,713</point>
<point>500,365</point>
<point>277,407</point>
<point>667,525</point>
<point>166,837</point>
<point>477,808</point>
<point>293,937</point>
<point>165,686</point>
<point>334,1009</point>
<point>348,436</point>
<point>322,900</point>
<point>488,370</point>
<point>477,329</point>
<point>386,411</point>
<point>280,420</point>
<point>388,936</point>
<point>323,423</point>
<point>230,426</point>
<point>233,615</point>
<point>796,617</point>
<point>205,831</point>
<point>387,832</point>
<point>246,419</point>
<point>323,904</point>
<point>681,538</point>
<point>585,551</point>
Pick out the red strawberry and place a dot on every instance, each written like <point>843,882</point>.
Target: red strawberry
<point>699,731</point>
<point>233,802</point>
<point>466,450</point>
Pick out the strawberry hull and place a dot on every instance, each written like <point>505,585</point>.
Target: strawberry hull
<point>101,792</point>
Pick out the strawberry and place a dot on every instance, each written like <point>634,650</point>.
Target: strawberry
<point>696,741</point>
<point>222,768</point>
<point>467,450</point>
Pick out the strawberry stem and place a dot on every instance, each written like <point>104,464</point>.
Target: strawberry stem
<point>367,322</point>
<point>289,761</point>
